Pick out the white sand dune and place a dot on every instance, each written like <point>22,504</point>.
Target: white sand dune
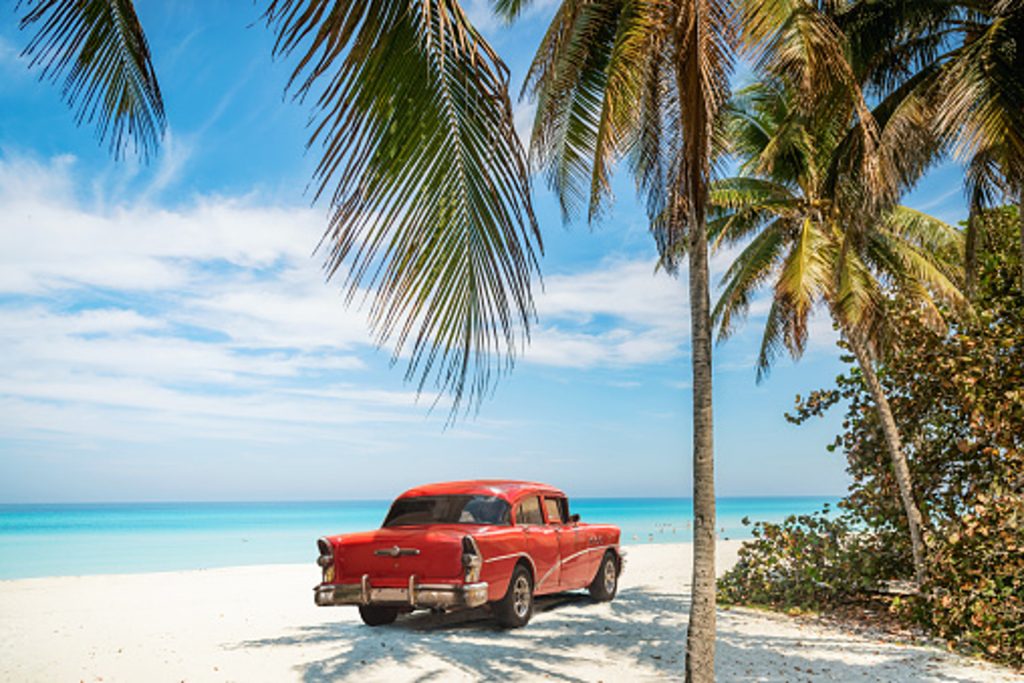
<point>259,624</point>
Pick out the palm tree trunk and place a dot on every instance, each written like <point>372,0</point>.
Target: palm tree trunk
<point>699,102</point>
<point>1020,218</point>
<point>700,635</point>
<point>901,470</point>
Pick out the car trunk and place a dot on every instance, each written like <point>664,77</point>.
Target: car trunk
<point>389,556</point>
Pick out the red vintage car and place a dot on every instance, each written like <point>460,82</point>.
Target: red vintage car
<point>466,544</point>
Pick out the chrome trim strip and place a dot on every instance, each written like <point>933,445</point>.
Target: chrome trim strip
<point>364,589</point>
<point>562,561</point>
<point>587,550</point>
<point>555,566</point>
<point>558,564</point>
<point>395,551</point>
<point>506,557</point>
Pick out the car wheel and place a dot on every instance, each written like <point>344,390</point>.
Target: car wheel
<point>604,585</point>
<point>378,616</point>
<point>516,608</point>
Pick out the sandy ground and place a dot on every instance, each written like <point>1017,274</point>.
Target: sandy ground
<point>260,624</point>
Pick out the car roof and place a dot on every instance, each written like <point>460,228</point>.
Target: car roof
<point>507,489</point>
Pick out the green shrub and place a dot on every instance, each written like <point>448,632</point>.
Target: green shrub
<point>807,561</point>
<point>975,594</point>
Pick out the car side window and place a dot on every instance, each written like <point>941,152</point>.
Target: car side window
<point>554,509</point>
<point>528,512</point>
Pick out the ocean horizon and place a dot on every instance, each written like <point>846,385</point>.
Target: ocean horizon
<point>71,539</point>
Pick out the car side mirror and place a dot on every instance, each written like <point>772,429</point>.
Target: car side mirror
<point>574,519</point>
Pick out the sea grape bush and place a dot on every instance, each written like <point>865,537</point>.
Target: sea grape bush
<point>958,400</point>
<point>806,561</point>
<point>976,594</point>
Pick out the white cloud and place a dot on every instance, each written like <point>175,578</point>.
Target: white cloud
<point>50,242</point>
<point>482,16</point>
<point>175,154</point>
<point>621,314</point>
<point>142,322</point>
<point>630,290</point>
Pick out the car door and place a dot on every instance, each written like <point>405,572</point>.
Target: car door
<point>541,543</point>
<point>556,511</point>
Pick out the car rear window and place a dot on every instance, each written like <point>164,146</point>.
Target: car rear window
<point>447,510</point>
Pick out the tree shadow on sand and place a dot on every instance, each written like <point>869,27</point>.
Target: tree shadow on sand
<point>817,655</point>
<point>642,630</point>
<point>471,644</point>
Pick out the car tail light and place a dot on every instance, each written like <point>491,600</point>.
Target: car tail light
<point>326,559</point>
<point>471,560</point>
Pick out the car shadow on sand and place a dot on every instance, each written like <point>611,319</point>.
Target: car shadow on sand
<point>641,630</point>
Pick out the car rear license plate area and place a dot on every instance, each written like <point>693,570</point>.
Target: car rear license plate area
<point>396,595</point>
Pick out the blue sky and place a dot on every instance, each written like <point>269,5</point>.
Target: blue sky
<point>166,333</point>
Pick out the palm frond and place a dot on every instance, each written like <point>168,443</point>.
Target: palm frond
<point>745,276</point>
<point>773,339</point>
<point>797,42</point>
<point>639,37</point>
<point>925,233</point>
<point>98,51</point>
<point>984,182</point>
<point>893,40</point>
<point>856,298</point>
<point>740,206</point>
<point>805,278</point>
<point>909,143</point>
<point>509,10</point>
<point>742,191</point>
<point>915,249</point>
<point>984,106</point>
<point>430,198</point>
<point>770,137</point>
<point>568,79</point>
<point>643,79</point>
<point>656,140</point>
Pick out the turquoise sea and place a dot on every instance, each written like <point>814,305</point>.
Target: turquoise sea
<point>116,538</point>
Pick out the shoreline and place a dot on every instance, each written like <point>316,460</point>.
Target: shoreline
<point>258,623</point>
<point>311,564</point>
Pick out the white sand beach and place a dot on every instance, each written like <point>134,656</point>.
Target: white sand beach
<point>259,624</point>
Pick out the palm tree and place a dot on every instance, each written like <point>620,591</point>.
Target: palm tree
<point>645,80</point>
<point>964,58</point>
<point>426,178</point>
<point>801,243</point>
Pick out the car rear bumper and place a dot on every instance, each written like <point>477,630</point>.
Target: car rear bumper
<point>415,595</point>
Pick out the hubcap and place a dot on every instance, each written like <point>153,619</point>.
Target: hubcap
<point>521,596</point>
<point>609,576</point>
